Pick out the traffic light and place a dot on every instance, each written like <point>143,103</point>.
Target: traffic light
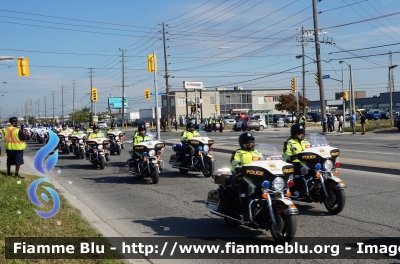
<point>316,79</point>
<point>346,95</point>
<point>216,108</point>
<point>23,67</point>
<point>293,85</point>
<point>94,95</point>
<point>147,94</point>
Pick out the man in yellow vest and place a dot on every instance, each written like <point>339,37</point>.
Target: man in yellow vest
<point>15,144</point>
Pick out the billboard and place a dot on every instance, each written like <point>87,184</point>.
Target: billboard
<point>192,85</point>
<point>116,102</point>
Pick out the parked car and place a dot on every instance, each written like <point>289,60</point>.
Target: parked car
<point>397,122</point>
<point>278,116</point>
<point>316,116</point>
<point>289,119</point>
<point>251,124</point>
<point>102,125</point>
<point>309,118</point>
<point>228,120</point>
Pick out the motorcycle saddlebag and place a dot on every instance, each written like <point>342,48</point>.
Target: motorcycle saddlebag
<point>222,179</point>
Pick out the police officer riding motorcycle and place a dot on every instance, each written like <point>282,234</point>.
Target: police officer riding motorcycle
<point>252,191</point>
<point>193,154</point>
<point>316,166</point>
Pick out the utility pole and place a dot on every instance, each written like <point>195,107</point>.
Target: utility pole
<point>91,86</point>
<point>52,95</point>
<point>73,102</point>
<point>123,91</point>
<point>318,55</point>
<point>166,77</point>
<point>62,102</point>
<point>304,67</point>
<point>45,109</point>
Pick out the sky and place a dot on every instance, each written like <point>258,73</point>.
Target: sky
<point>249,43</point>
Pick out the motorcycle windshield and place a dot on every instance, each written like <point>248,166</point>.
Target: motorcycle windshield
<point>152,136</point>
<point>316,140</point>
<point>202,133</point>
<point>267,151</point>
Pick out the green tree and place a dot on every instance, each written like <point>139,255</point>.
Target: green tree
<point>287,102</point>
<point>82,116</point>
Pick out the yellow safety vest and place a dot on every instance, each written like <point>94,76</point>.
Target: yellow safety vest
<point>12,140</point>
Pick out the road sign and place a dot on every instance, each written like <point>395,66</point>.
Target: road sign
<point>159,93</point>
<point>95,118</point>
<point>326,76</point>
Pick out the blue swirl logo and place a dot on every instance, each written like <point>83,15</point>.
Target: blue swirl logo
<point>44,151</point>
<point>32,196</point>
<point>50,163</point>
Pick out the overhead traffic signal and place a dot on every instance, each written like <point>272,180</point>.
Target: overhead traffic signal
<point>23,67</point>
<point>346,95</point>
<point>316,79</point>
<point>216,108</point>
<point>293,85</point>
<point>94,95</point>
<point>147,94</point>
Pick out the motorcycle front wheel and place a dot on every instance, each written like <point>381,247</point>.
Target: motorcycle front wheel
<point>335,202</point>
<point>285,228</point>
<point>82,154</point>
<point>102,162</point>
<point>208,168</point>
<point>118,150</point>
<point>155,175</point>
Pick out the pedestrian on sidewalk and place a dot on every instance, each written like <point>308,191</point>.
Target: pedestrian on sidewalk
<point>340,129</point>
<point>176,125</point>
<point>362,121</point>
<point>15,145</point>
<point>353,120</point>
<point>324,123</point>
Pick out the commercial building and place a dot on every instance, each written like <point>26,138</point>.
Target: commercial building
<point>379,102</point>
<point>220,101</point>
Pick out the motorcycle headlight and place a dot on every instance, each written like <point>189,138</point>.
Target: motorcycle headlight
<point>206,148</point>
<point>152,152</point>
<point>278,183</point>
<point>100,147</point>
<point>328,165</point>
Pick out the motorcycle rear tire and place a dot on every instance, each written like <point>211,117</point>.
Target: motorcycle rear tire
<point>102,163</point>
<point>184,171</point>
<point>335,206</point>
<point>285,230</point>
<point>67,150</point>
<point>118,150</point>
<point>208,168</point>
<point>155,176</point>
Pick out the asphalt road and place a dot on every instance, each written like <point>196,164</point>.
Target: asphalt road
<point>175,206</point>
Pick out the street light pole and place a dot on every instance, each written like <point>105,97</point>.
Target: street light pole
<point>391,98</point>
<point>304,67</point>
<point>352,89</point>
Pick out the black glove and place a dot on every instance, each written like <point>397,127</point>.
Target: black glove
<point>293,157</point>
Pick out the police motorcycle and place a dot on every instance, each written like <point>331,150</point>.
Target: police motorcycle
<point>40,135</point>
<point>146,160</point>
<point>116,141</point>
<point>194,155</point>
<point>64,143</point>
<point>318,181</point>
<point>78,142</point>
<point>254,195</point>
<point>98,151</point>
